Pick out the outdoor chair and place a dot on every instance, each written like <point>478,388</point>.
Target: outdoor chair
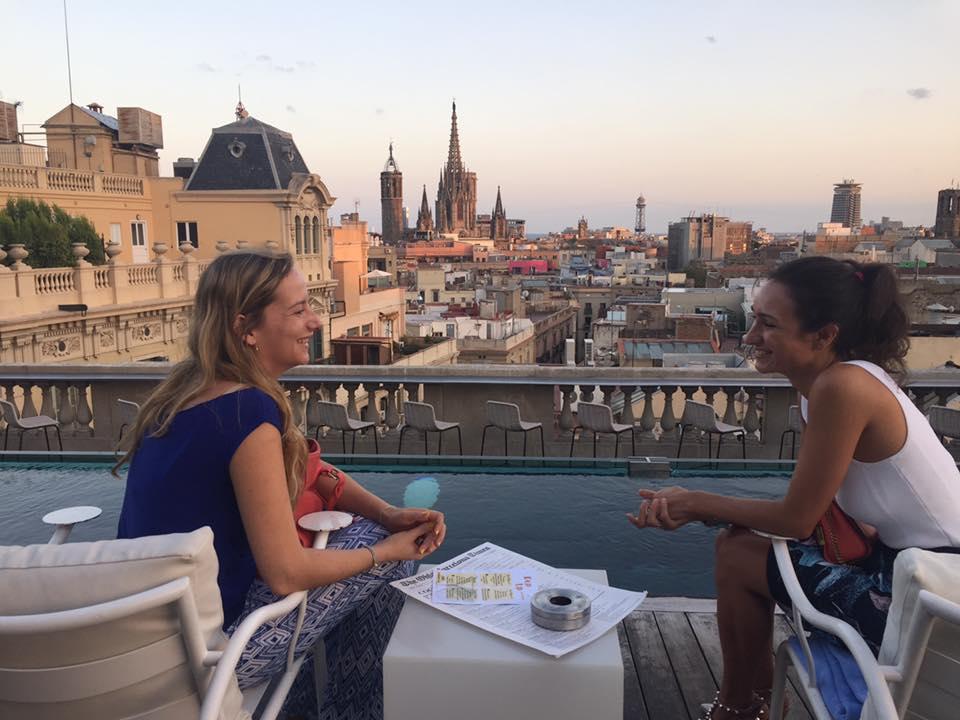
<point>421,416</point>
<point>598,418</point>
<point>127,412</point>
<point>703,417</point>
<point>334,416</point>
<point>127,628</point>
<point>794,428</point>
<point>506,416</point>
<point>915,675</point>
<point>26,424</point>
<point>945,422</point>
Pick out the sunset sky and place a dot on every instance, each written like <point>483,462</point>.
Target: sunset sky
<point>750,109</point>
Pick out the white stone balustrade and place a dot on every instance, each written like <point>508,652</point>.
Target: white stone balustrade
<point>82,398</point>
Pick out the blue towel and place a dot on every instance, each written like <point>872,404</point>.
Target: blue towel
<point>838,677</point>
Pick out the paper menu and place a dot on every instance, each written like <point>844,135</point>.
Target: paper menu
<point>501,586</point>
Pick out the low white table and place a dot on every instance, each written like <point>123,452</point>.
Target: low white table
<point>437,666</point>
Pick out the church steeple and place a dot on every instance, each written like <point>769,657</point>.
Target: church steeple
<point>498,208</point>
<point>424,219</point>
<point>454,159</point>
<point>498,221</point>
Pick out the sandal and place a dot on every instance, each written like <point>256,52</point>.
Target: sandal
<point>755,711</point>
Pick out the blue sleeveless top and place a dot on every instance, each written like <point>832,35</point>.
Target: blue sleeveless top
<point>181,481</point>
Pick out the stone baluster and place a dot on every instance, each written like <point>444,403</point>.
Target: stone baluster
<point>298,405</point>
<point>67,414</point>
<point>313,407</point>
<point>648,420</point>
<point>48,406</point>
<point>710,392</point>
<point>607,391</point>
<point>569,395</point>
<point>668,421</point>
<point>371,413</point>
<point>29,409</point>
<point>626,415</point>
<point>751,418</point>
<point>352,412</point>
<point>392,414</point>
<point>84,412</point>
<point>730,414</point>
<point>6,393</point>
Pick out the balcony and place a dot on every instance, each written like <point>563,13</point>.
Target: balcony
<point>82,398</point>
<point>25,177</point>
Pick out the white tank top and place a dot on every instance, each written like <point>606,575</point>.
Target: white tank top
<point>912,497</point>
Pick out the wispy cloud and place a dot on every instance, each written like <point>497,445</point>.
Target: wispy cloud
<point>264,58</point>
<point>306,64</point>
<point>204,67</point>
<point>284,68</point>
<point>919,93</point>
<point>291,109</point>
<point>712,39</point>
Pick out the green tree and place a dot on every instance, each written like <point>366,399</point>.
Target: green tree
<point>697,271</point>
<point>47,233</point>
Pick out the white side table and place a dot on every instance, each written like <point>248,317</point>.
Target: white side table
<point>437,666</point>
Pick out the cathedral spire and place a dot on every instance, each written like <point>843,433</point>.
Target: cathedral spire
<point>391,164</point>
<point>498,208</point>
<point>424,218</point>
<point>454,159</point>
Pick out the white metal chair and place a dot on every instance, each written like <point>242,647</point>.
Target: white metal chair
<point>794,428</point>
<point>128,628</point>
<point>334,416</point>
<point>422,417</point>
<point>26,424</point>
<point>598,418</point>
<point>703,417</point>
<point>127,412</point>
<point>916,674</point>
<point>945,422</point>
<point>506,416</point>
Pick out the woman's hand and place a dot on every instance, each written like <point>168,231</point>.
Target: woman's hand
<point>412,544</point>
<point>666,509</point>
<point>397,519</point>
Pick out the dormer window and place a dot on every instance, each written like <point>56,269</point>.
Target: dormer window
<point>236,148</point>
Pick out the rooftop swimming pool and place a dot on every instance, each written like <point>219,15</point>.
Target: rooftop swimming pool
<point>569,518</point>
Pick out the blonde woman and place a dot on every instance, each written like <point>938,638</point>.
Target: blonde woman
<point>216,445</point>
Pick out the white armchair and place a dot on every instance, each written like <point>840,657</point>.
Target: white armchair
<point>126,628</point>
<point>916,675</point>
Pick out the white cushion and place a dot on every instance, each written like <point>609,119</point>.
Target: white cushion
<point>48,578</point>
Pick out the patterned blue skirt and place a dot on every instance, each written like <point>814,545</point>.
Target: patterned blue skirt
<point>857,594</point>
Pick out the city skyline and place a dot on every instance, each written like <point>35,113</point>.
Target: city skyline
<point>576,112</point>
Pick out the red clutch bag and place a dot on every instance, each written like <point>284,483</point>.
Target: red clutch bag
<point>840,536</point>
<point>311,500</point>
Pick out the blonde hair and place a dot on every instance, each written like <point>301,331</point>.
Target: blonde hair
<point>236,283</point>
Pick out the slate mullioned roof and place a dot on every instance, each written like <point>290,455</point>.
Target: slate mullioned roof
<point>247,155</point>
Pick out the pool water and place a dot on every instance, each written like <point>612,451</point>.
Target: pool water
<point>564,520</point>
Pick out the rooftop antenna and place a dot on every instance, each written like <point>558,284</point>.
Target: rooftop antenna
<point>356,207</point>
<point>241,111</point>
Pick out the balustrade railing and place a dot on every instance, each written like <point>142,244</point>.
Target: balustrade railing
<point>19,176</point>
<point>123,184</point>
<point>53,282</point>
<point>143,275</point>
<point>67,180</point>
<point>101,278</point>
<point>83,399</point>
<point>70,180</point>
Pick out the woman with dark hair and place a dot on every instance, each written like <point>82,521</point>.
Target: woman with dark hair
<point>216,444</point>
<point>838,331</point>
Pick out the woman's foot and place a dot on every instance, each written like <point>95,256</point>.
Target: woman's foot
<point>717,710</point>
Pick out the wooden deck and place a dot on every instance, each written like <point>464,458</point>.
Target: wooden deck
<point>672,661</point>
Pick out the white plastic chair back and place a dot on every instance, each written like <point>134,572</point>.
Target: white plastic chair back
<point>420,416</point>
<point>945,421</point>
<point>700,415</point>
<point>333,415</point>
<point>10,413</point>
<point>110,629</point>
<point>504,415</point>
<point>595,416</point>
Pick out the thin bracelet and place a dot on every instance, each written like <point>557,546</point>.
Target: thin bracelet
<point>373,555</point>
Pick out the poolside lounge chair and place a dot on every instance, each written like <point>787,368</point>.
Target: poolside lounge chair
<point>125,628</point>
<point>334,416</point>
<point>506,416</point>
<point>703,417</point>
<point>421,416</point>
<point>598,418</point>
<point>916,673</point>
<point>25,425</point>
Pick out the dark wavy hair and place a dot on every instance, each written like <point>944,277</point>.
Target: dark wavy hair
<point>862,299</point>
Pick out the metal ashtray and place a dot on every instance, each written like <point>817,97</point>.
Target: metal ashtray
<point>560,609</point>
